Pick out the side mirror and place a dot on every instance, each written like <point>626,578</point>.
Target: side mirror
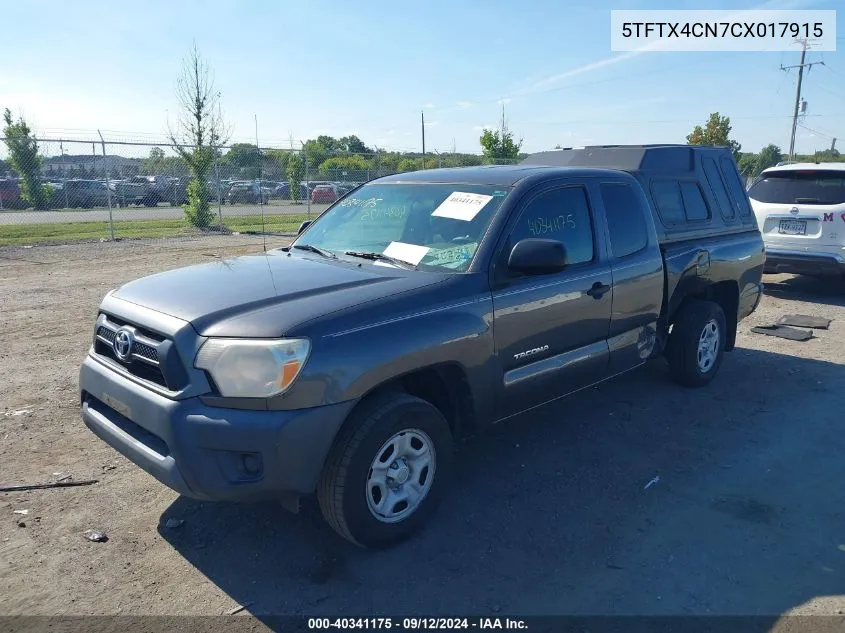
<point>303,226</point>
<point>534,256</point>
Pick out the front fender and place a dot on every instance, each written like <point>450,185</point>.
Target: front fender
<point>348,364</point>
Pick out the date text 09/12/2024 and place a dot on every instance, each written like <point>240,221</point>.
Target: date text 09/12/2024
<point>413,624</point>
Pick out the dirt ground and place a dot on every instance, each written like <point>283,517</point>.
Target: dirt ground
<point>548,514</point>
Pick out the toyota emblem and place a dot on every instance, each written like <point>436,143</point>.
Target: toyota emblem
<point>794,210</point>
<point>122,345</point>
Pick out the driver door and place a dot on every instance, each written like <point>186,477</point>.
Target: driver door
<point>551,330</point>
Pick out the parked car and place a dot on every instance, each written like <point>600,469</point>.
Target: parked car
<point>283,191</point>
<point>158,189</point>
<point>248,193</point>
<point>128,192</point>
<point>322,194</point>
<point>800,208</point>
<point>10,194</point>
<point>423,307</point>
<point>85,193</point>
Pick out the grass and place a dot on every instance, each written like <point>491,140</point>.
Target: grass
<point>57,232</point>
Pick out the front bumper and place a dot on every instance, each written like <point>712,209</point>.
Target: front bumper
<point>804,263</point>
<point>205,452</point>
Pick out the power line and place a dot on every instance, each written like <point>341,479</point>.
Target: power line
<point>820,133</point>
<point>833,92</point>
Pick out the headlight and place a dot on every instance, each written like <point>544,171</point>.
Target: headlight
<point>253,368</point>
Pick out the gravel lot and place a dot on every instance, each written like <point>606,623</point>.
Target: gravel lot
<point>548,514</point>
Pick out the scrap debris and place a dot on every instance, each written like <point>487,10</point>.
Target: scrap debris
<point>802,320</point>
<point>788,327</point>
<point>783,331</point>
<point>55,484</point>
<point>96,536</point>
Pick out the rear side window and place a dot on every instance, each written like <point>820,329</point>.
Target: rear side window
<point>694,203</point>
<point>735,187</point>
<point>667,199</point>
<point>625,219</point>
<point>726,207</point>
<point>825,187</point>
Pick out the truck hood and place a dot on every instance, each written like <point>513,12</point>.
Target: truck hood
<point>267,295</point>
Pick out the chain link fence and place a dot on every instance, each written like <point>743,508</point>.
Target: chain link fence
<point>116,190</point>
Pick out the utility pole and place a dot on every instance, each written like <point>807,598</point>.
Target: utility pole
<point>422,120</point>
<point>833,145</point>
<point>804,46</point>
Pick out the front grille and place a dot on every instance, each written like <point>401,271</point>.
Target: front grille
<point>152,357</point>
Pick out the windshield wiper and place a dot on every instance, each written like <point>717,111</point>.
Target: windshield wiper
<point>382,257</point>
<point>315,249</point>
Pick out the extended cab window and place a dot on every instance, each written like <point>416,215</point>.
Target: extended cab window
<point>561,214</point>
<point>625,219</point>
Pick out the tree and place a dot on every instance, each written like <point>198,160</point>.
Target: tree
<point>499,144</point>
<point>715,132</point>
<point>296,173</point>
<point>354,145</point>
<point>25,160</point>
<point>355,166</point>
<point>747,163</point>
<point>275,163</point>
<point>201,133</point>
<point>769,156</point>
<point>243,155</point>
<point>318,150</point>
<point>159,163</point>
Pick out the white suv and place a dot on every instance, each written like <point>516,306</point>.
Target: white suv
<point>800,210</point>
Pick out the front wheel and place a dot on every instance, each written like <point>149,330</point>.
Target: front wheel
<point>386,471</point>
<point>697,343</point>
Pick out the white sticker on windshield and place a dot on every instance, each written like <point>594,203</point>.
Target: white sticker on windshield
<point>410,253</point>
<point>462,206</point>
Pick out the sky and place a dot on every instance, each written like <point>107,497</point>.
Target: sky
<point>369,68</point>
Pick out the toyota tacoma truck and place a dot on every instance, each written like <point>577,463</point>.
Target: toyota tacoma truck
<point>416,309</point>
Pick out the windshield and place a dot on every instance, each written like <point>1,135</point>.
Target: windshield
<point>800,187</point>
<point>432,226</point>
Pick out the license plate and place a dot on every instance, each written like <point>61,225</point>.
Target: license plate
<point>117,405</point>
<point>793,227</point>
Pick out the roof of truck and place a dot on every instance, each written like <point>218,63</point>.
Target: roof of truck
<point>495,175</point>
<point>670,158</point>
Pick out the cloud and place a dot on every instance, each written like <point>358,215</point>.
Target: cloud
<point>505,101</point>
<point>481,128</point>
<point>428,106</point>
<point>464,104</point>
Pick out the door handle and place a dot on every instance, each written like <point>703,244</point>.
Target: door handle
<point>598,290</point>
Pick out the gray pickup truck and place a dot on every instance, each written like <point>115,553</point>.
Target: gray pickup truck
<point>417,308</point>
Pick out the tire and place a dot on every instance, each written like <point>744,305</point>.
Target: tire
<point>375,432</point>
<point>700,325</point>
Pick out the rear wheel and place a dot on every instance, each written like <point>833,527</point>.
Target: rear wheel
<point>386,471</point>
<point>697,343</point>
